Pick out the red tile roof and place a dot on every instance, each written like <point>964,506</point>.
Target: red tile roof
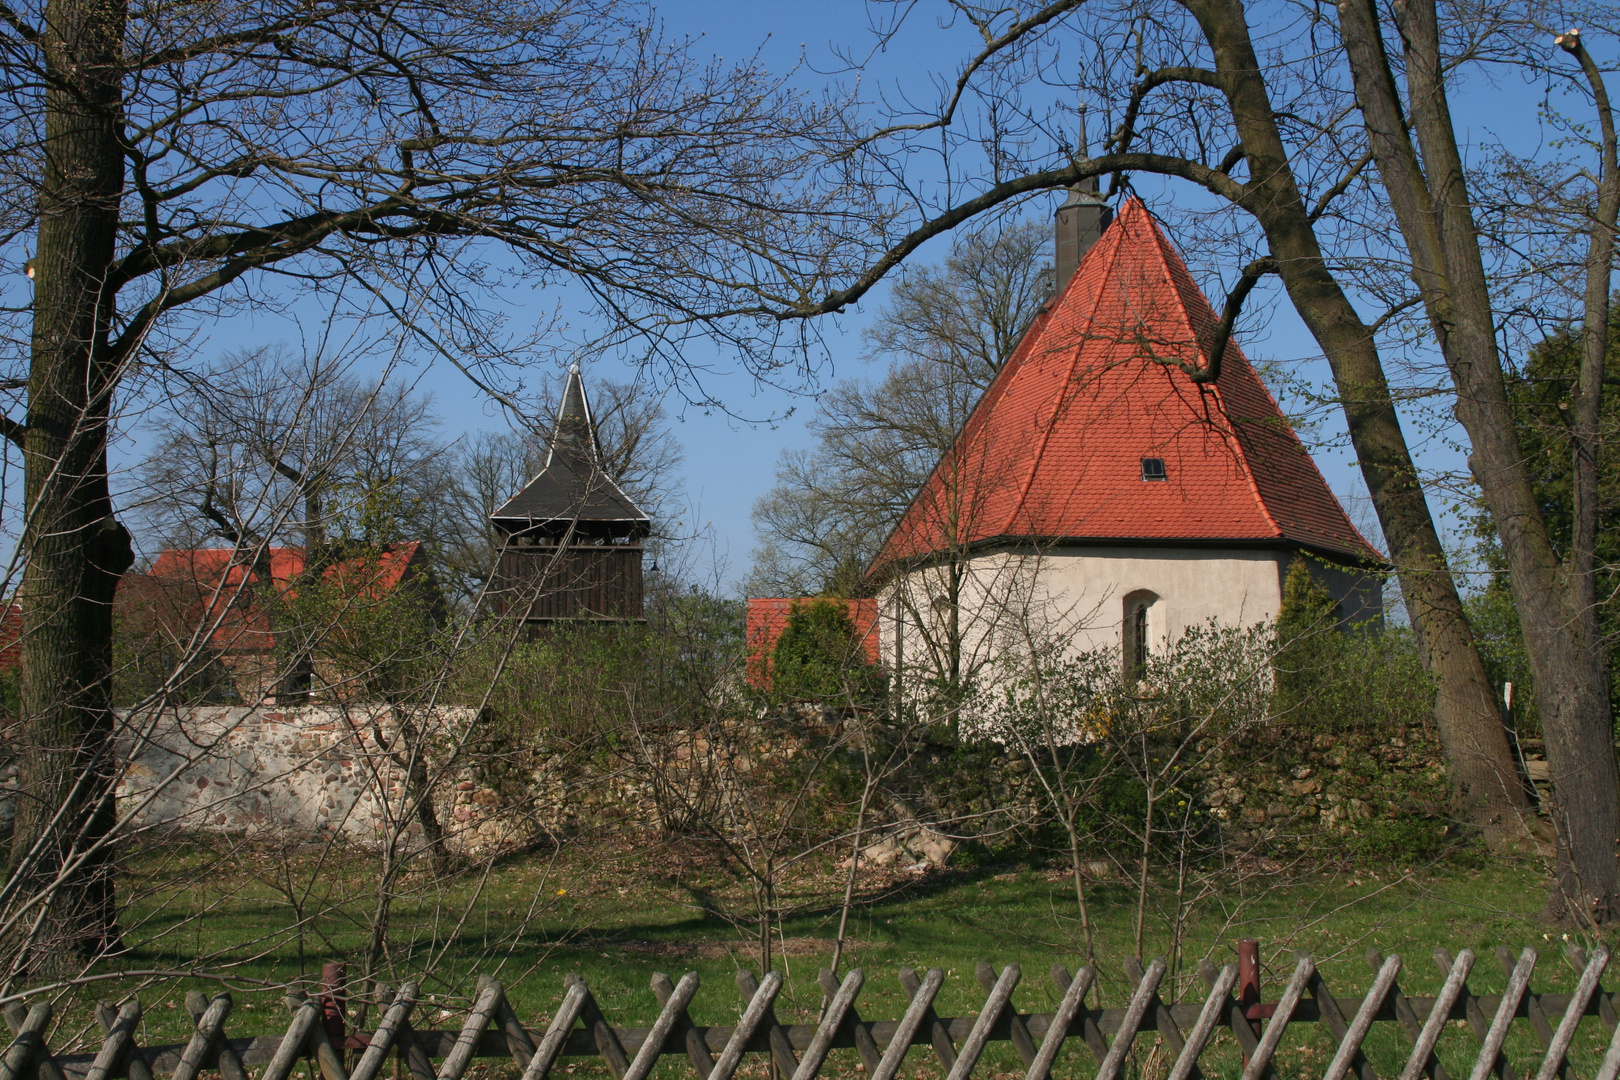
<point>767,618</point>
<point>202,586</point>
<point>1054,449</point>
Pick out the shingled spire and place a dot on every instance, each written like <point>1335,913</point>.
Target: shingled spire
<point>574,435</point>
<point>572,488</point>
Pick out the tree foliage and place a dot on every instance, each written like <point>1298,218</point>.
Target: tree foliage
<point>944,333</point>
<point>1308,636</point>
<point>820,656</point>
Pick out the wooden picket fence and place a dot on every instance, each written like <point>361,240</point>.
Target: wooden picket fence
<point>1104,1037</point>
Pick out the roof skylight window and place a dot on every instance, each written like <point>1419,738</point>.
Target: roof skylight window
<point>1153,468</point>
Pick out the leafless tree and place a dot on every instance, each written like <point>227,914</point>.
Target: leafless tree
<point>266,447</point>
<point>174,165</point>
<point>944,334</point>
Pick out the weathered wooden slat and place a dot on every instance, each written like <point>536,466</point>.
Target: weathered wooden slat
<point>1090,1031</point>
<point>1518,981</point>
<point>28,1043</point>
<point>1022,1041</point>
<point>753,1017</point>
<point>1073,1000</point>
<point>905,1033</point>
<point>994,1005</point>
<point>1164,1019</point>
<point>1134,1014</point>
<point>1554,1063</point>
<point>45,1066</point>
<point>1409,1019</point>
<point>1610,1068</point>
<point>1304,968</point>
<point>602,1035</point>
<point>328,1058</point>
<point>815,1055</point>
<point>1474,1013</point>
<point>290,1047</point>
<point>131,1061</point>
<point>939,1033</point>
<point>1455,986</point>
<point>219,1053</point>
<point>697,1052</point>
<point>472,1031</point>
<point>415,1058</point>
<point>519,1043</point>
<point>1605,1011</point>
<point>1328,1008</point>
<point>120,1034</point>
<point>1231,1012</point>
<point>1350,1045</point>
<point>1208,1017</point>
<point>203,1040</point>
<point>1532,1006</point>
<point>780,1045</point>
<point>551,1044</point>
<point>659,1037</point>
<point>865,1045</point>
<point>382,1040</point>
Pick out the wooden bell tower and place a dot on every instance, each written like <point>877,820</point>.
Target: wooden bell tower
<point>571,540</point>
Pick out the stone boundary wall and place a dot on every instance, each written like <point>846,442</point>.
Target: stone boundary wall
<point>317,771</point>
<point>326,771</point>
<point>1377,791</point>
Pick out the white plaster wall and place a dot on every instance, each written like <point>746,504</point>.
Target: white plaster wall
<point>1079,593</point>
<point>1193,586</point>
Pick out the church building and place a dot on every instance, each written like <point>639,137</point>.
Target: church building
<point>1109,487</point>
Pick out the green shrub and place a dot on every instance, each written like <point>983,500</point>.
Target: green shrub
<point>1407,839</point>
<point>820,657</point>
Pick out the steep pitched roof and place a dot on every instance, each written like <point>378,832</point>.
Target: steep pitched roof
<point>572,486</point>
<point>1054,450</point>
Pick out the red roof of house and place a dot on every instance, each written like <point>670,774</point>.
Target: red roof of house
<point>208,585</point>
<point>1054,449</point>
<point>767,618</point>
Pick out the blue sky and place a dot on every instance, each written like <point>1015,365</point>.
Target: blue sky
<point>729,462</point>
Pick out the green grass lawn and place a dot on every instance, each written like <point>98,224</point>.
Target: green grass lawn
<point>618,917</point>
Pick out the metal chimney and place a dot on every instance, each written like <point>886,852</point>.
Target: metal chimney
<point>1080,221</point>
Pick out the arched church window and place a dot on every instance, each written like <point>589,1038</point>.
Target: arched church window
<point>1137,633</point>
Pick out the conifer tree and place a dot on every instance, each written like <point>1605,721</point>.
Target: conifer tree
<point>1309,641</point>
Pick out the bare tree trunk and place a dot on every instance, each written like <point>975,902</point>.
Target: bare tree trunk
<point>1487,789</point>
<point>1556,600</point>
<point>74,549</point>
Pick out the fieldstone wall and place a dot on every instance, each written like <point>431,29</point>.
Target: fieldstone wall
<point>316,771</point>
<point>1339,792</point>
<point>339,771</point>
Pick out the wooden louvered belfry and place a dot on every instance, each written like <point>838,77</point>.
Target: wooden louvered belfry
<point>571,540</point>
